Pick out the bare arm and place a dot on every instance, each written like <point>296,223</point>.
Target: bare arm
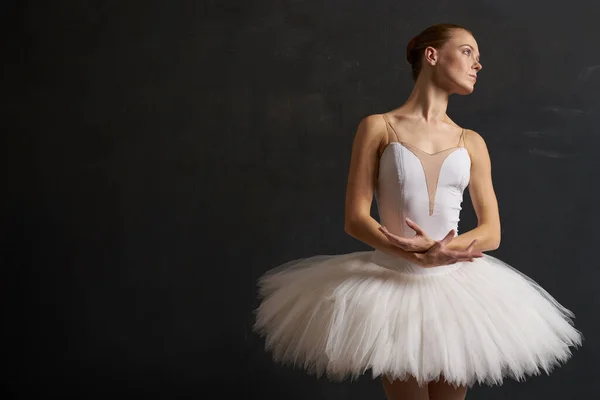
<point>483,197</point>
<point>362,178</point>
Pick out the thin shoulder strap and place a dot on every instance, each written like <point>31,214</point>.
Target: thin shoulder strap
<point>461,138</point>
<point>387,122</point>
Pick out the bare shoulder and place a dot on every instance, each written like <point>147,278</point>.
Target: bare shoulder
<point>473,137</point>
<point>372,129</point>
<point>475,144</point>
<point>373,123</point>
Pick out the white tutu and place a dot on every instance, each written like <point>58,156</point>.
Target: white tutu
<point>470,322</point>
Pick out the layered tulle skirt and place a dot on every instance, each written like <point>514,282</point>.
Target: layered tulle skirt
<point>470,322</point>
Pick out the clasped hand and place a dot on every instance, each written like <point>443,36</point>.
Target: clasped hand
<point>428,252</point>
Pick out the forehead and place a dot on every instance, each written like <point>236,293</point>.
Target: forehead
<point>461,37</point>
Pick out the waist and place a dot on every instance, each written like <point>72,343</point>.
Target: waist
<point>405,266</point>
<point>437,225</point>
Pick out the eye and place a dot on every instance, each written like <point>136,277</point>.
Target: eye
<point>467,51</point>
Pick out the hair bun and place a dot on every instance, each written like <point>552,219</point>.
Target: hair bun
<point>434,36</point>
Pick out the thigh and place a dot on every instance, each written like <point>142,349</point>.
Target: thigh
<point>442,390</point>
<point>404,390</point>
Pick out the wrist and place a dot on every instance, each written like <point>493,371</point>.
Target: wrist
<point>419,258</point>
<point>431,244</point>
<point>425,247</point>
<point>428,246</point>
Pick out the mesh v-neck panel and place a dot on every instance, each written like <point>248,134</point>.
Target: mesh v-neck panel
<point>431,162</point>
<point>432,166</point>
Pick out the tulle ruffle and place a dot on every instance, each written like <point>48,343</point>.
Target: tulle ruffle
<point>471,322</point>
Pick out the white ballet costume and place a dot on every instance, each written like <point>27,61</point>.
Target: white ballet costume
<point>468,322</point>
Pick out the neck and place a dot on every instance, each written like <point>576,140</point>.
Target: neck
<point>427,101</point>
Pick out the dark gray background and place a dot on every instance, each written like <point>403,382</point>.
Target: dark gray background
<point>159,156</point>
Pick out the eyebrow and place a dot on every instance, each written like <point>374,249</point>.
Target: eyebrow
<point>478,56</point>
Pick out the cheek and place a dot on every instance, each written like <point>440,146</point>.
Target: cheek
<point>458,63</point>
<point>459,66</point>
<point>452,62</point>
<point>453,67</point>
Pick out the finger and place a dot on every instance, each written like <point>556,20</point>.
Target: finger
<point>448,237</point>
<point>393,237</point>
<point>414,226</point>
<point>463,255</point>
<point>387,233</point>
<point>396,240</point>
<point>400,243</point>
<point>459,255</point>
<point>475,254</point>
<point>382,230</point>
<point>470,247</point>
<point>464,259</point>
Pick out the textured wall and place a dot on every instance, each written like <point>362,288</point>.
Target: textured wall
<point>160,156</point>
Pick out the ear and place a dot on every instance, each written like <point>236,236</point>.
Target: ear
<point>431,55</point>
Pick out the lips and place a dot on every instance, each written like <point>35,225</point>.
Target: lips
<point>473,76</point>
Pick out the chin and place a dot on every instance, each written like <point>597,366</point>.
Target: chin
<point>460,87</point>
<point>465,90</point>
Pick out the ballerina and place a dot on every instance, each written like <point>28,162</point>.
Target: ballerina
<point>427,310</point>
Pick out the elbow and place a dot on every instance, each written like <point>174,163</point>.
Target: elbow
<point>494,243</point>
<point>495,240</point>
<point>352,225</point>
<point>490,238</point>
<point>349,227</point>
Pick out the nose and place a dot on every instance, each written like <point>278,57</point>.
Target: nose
<point>478,67</point>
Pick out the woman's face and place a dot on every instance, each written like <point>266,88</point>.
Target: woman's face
<point>457,63</point>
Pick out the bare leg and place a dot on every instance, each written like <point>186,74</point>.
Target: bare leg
<point>404,390</point>
<point>442,390</point>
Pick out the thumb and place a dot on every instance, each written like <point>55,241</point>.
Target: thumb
<point>449,236</point>
<point>413,226</point>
